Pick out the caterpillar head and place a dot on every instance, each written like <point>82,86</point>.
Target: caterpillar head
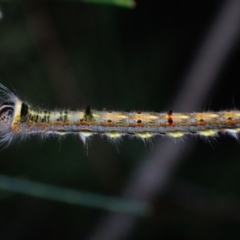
<point>7,104</point>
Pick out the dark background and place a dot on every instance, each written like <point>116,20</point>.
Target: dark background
<point>71,54</point>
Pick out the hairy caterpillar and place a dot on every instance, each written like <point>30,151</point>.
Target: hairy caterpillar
<point>19,119</point>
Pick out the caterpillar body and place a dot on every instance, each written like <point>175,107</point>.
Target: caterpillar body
<point>18,119</point>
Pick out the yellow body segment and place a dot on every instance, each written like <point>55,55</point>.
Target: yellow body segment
<point>16,115</point>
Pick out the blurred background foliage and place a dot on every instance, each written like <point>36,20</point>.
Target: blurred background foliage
<point>68,54</point>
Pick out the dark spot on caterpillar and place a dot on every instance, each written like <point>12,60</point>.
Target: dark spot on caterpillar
<point>60,119</point>
<point>65,118</point>
<point>170,121</point>
<point>48,116</point>
<point>88,110</point>
<point>229,119</point>
<point>201,120</point>
<point>88,117</point>
<point>139,112</point>
<point>109,121</point>
<point>43,120</point>
<point>139,121</point>
<point>31,117</point>
<point>24,111</point>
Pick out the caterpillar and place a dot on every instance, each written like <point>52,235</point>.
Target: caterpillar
<point>19,119</point>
